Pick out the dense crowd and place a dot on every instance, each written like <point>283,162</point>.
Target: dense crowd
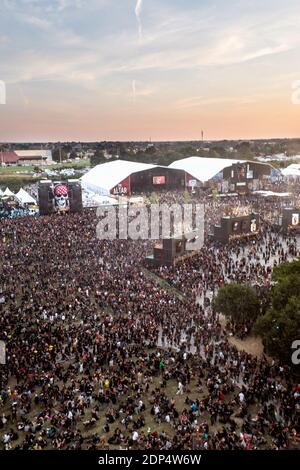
<point>101,354</point>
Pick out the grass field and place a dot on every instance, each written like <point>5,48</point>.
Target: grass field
<point>7,170</point>
<point>17,176</point>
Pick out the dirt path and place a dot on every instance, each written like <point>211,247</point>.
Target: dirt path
<point>251,345</point>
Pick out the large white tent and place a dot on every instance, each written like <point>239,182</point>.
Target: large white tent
<point>104,177</point>
<point>24,197</point>
<point>291,170</point>
<point>203,169</point>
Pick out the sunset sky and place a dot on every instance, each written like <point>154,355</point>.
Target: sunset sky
<point>131,70</point>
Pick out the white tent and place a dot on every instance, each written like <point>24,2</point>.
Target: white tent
<point>104,177</point>
<point>291,170</point>
<point>24,197</point>
<point>8,192</point>
<point>136,200</point>
<point>203,169</point>
<point>271,194</point>
<point>104,200</point>
<point>1,192</point>
<point>90,199</point>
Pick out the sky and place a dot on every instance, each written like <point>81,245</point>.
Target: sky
<point>139,69</point>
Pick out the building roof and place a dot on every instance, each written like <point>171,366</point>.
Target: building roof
<point>291,170</point>
<point>8,157</point>
<point>203,169</point>
<point>28,154</point>
<point>104,177</point>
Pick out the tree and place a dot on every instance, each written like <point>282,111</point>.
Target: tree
<point>59,155</point>
<point>286,270</point>
<point>153,198</point>
<point>73,155</point>
<point>237,302</point>
<point>97,158</point>
<point>244,150</point>
<point>186,197</point>
<point>279,327</point>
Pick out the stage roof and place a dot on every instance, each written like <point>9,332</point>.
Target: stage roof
<point>104,177</point>
<point>292,170</point>
<point>203,169</point>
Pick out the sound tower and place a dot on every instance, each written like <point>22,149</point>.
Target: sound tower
<point>236,227</point>
<point>45,196</point>
<point>290,219</point>
<point>75,196</point>
<point>170,250</point>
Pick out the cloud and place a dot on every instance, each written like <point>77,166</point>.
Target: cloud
<point>33,67</point>
<point>36,21</point>
<point>133,91</point>
<point>138,11</point>
<point>202,101</point>
<point>3,40</point>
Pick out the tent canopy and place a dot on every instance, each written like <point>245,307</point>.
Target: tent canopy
<point>271,194</point>
<point>203,169</point>
<point>24,197</point>
<point>104,177</point>
<point>291,170</point>
<point>8,192</point>
<point>104,200</point>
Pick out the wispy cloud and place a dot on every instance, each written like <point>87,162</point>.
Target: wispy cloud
<point>138,12</point>
<point>37,22</point>
<point>202,101</point>
<point>133,91</point>
<point>194,55</point>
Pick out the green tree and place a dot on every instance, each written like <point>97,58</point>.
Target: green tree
<point>237,302</point>
<point>97,158</point>
<point>279,327</point>
<point>286,270</point>
<point>153,198</point>
<point>186,197</point>
<point>59,155</point>
<point>73,155</point>
<point>244,150</point>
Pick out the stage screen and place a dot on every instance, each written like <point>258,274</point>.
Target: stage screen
<point>159,180</point>
<point>295,219</point>
<point>253,225</point>
<point>235,226</point>
<point>61,197</point>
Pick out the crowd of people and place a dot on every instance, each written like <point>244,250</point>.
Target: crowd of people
<point>101,354</point>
